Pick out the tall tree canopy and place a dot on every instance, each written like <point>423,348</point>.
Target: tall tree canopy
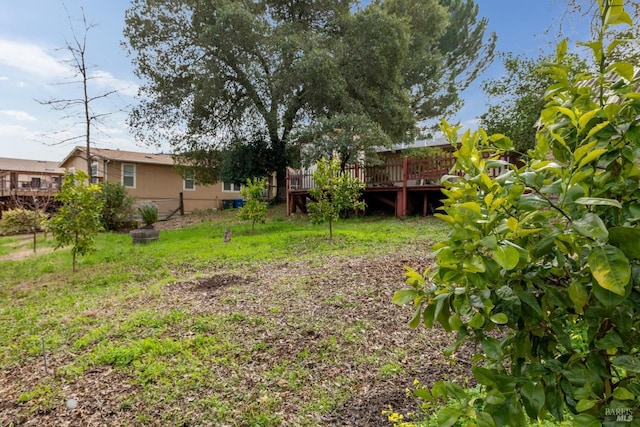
<point>219,70</point>
<point>516,98</point>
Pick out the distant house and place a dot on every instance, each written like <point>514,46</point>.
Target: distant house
<point>19,176</point>
<point>151,177</point>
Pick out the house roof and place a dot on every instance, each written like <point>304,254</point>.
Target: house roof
<point>121,156</point>
<point>418,143</point>
<point>30,166</point>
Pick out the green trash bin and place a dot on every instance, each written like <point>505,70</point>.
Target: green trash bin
<point>227,204</point>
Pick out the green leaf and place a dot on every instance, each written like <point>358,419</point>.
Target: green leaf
<point>610,340</point>
<point>593,155</point>
<point>610,268</point>
<point>578,294</point>
<point>484,420</point>
<point>596,201</point>
<point>616,14</point>
<point>586,420</point>
<point>494,397</point>
<point>529,299</point>
<point>583,121</point>
<point>628,363</point>
<point>506,256</point>
<point>404,296</point>
<point>585,149</point>
<point>415,320</point>
<point>484,376</point>
<point>597,128</point>
<point>491,347</point>
<point>499,318</point>
<point>585,404</point>
<point>489,242</point>
<point>477,321</point>
<point>533,398</point>
<point>448,415</point>
<point>608,298</point>
<point>554,402</point>
<point>627,239</point>
<point>621,393</point>
<point>623,69</point>
<point>591,226</point>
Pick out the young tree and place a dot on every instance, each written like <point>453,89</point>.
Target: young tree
<point>77,222</point>
<point>81,106</point>
<point>333,193</point>
<point>255,208</point>
<point>541,269</point>
<point>226,70</point>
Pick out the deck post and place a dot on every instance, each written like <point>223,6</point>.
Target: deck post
<point>287,191</point>
<point>405,178</point>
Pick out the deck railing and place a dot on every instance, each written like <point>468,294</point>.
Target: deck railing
<point>396,172</point>
<point>24,188</point>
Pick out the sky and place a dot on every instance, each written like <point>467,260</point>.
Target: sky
<point>34,67</point>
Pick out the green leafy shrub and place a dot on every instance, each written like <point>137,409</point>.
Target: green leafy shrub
<point>333,193</point>
<point>255,207</point>
<point>19,221</point>
<point>148,213</point>
<point>77,222</point>
<point>117,206</point>
<point>542,267</point>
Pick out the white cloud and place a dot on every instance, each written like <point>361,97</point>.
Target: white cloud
<point>18,115</point>
<point>3,78</point>
<point>470,124</point>
<point>31,59</point>
<point>109,82</point>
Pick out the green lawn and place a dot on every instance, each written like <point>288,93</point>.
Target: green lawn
<point>276,327</point>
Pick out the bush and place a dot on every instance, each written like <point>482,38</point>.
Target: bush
<point>117,208</point>
<point>541,270</point>
<point>19,221</point>
<point>255,208</point>
<point>148,213</point>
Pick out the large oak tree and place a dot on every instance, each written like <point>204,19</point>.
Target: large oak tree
<point>216,71</point>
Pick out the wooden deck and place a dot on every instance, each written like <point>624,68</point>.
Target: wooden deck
<point>402,185</point>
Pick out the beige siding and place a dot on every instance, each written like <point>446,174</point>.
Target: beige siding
<point>163,185</point>
<point>155,180</point>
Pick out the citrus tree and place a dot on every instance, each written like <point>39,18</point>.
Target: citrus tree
<point>542,267</point>
<point>77,222</point>
<point>334,192</point>
<point>255,208</point>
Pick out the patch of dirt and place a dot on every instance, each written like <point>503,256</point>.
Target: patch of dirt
<point>217,281</point>
<point>333,317</point>
<point>24,249</point>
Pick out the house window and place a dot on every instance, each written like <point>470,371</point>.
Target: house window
<point>35,183</point>
<point>231,187</point>
<point>129,175</point>
<point>94,173</point>
<point>189,180</point>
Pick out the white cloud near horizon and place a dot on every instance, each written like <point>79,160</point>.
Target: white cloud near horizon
<point>18,115</point>
<point>32,59</point>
